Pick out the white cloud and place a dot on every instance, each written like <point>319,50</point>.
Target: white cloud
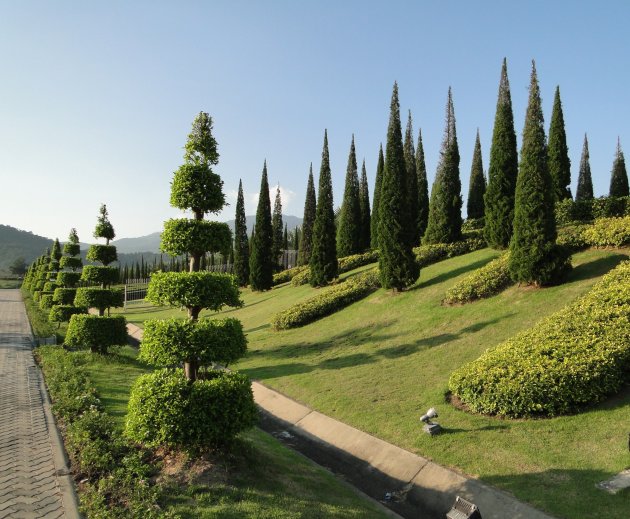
<point>286,196</point>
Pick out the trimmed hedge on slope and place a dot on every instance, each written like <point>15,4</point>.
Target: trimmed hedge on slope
<point>346,264</point>
<point>576,357</point>
<point>483,282</point>
<point>328,302</point>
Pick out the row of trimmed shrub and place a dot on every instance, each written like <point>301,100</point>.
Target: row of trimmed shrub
<point>118,474</point>
<point>483,282</point>
<point>604,232</point>
<point>329,301</point>
<point>346,264</point>
<point>569,211</point>
<point>428,254</point>
<point>286,275</point>
<point>573,358</point>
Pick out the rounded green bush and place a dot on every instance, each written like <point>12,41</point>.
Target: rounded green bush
<point>100,298</point>
<point>195,187</point>
<point>166,409</point>
<point>169,342</point>
<point>104,254</point>
<point>67,262</point>
<point>183,236</point>
<point>96,332</point>
<point>50,286</point>
<point>71,249</point>
<point>46,301</point>
<point>194,289</point>
<point>64,296</point>
<point>68,279</point>
<point>573,358</point>
<point>100,275</point>
<point>63,313</point>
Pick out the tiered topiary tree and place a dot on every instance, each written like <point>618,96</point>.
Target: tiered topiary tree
<point>40,276</point>
<point>477,185</point>
<point>558,152</point>
<point>502,171</point>
<point>445,207</point>
<point>261,249</point>
<point>310,205</point>
<point>50,279</point>
<point>364,205</point>
<point>397,266</point>
<point>411,189</point>
<point>67,278</point>
<point>619,175</point>
<point>99,332</point>
<point>349,228</point>
<point>423,188</point>
<point>193,408</point>
<point>534,256</point>
<point>584,189</point>
<point>241,243</point>
<point>324,265</point>
<point>380,167</point>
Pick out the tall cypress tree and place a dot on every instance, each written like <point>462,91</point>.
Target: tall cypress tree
<point>584,189</point>
<point>477,184</point>
<point>533,254</point>
<point>364,205</point>
<point>619,176</point>
<point>423,188</point>
<point>558,152</point>
<point>398,268</point>
<point>503,170</point>
<point>380,167</point>
<point>310,205</point>
<point>324,265</point>
<point>411,224</point>
<point>276,230</point>
<point>285,238</point>
<point>241,243</point>
<point>260,259</point>
<point>445,207</point>
<point>349,230</point>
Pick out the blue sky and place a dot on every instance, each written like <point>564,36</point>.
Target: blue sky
<point>97,98</point>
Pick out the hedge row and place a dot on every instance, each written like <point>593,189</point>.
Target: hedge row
<point>346,264</point>
<point>608,232</point>
<point>118,474</point>
<point>429,254</point>
<point>570,211</point>
<point>284,276</point>
<point>484,282</point>
<point>575,357</point>
<point>328,302</point>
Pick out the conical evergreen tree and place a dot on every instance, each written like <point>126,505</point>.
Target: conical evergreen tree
<point>502,172</point>
<point>310,205</point>
<point>619,176</point>
<point>533,254</point>
<point>398,268</point>
<point>477,184</point>
<point>241,243</point>
<point>261,258</point>
<point>277,228</point>
<point>445,207</point>
<point>423,188</point>
<point>364,204</point>
<point>411,223</point>
<point>558,151</point>
<point>285,238</point>
<point>323,263</point>
<point>349,229</point>
<point>380,167</point>
<point>584,189</point>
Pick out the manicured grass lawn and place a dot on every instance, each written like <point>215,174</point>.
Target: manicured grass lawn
<point>261,479</point>
<point>380,363</point>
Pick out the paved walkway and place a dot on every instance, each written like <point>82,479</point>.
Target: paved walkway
<point>33,470</point>
<point>410,485</point>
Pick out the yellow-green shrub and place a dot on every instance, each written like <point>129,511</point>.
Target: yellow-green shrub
<point>328,302</point>
<point>484,282</point>
<point>608,232</point>
<point>573,358</point>
<point>284,276</point>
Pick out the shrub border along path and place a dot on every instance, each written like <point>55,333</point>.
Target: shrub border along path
<point>35,480</point>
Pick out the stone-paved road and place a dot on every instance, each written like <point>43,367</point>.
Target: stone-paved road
<point>33,483</point>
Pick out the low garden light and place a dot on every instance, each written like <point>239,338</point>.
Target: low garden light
<point>430,427</point>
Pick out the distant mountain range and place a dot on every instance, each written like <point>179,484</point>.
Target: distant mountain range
<point>15,243</point>
<point>151,242</point>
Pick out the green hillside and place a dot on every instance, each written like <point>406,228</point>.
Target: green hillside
<point>15,243</point>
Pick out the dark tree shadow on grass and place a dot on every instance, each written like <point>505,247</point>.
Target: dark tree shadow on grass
<point>595,268</point>
<point>450,274</point>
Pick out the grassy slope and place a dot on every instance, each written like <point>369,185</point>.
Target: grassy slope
<point>379,364</point>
